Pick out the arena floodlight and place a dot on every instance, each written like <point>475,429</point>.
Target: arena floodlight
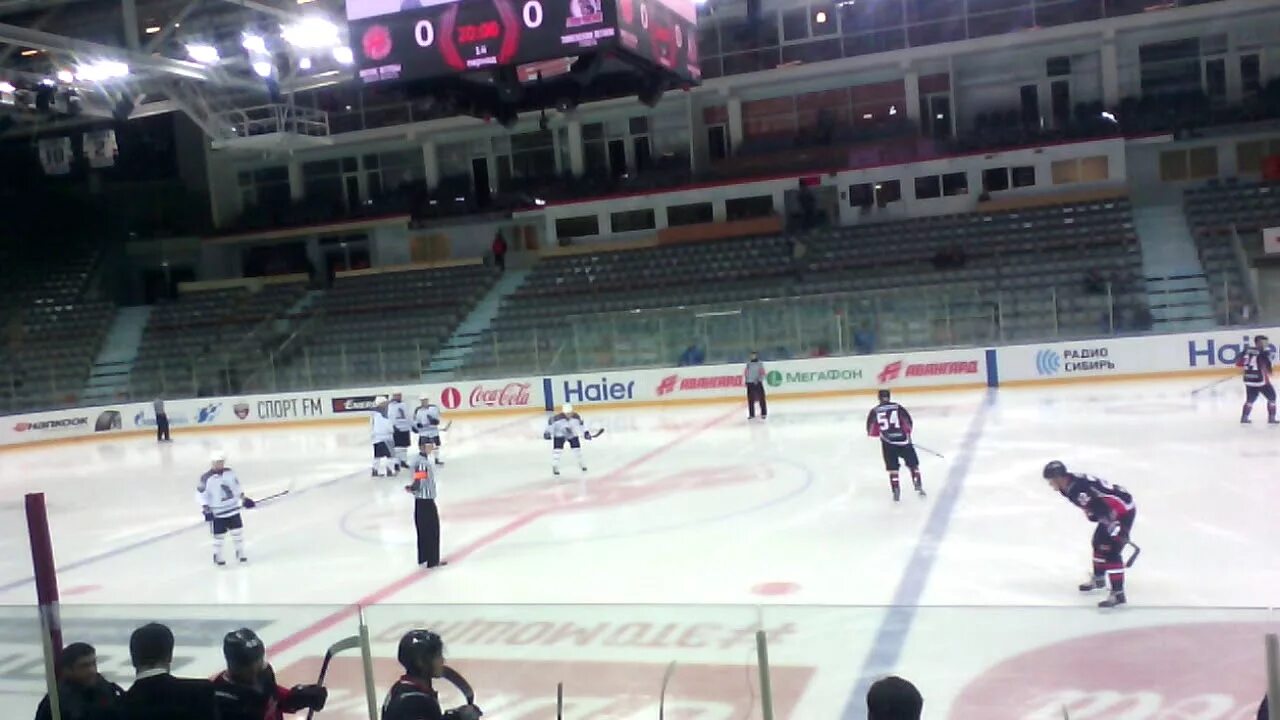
<point>66,76</point>
<point>262,68</point>
<point>312,32</point>
<point>253,43</point>
<point>101,70</point>
<point>343,55</point>
<point>203,53</point>
<point>304,63</point>
<point>7,87</point>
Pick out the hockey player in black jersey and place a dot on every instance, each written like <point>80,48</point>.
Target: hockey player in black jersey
<point>247,689</point>
<point>891,422</point>
<point>1256,362</point>
<point>412,697</point>
<point>1113,509</point>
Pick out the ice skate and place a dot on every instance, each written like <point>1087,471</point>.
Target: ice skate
<point>1093,584</point>
<point>920,491</point>
<point>897,494</point>
<point>242,557</point>
<point>219,561</point>
<point>1115,599</point>
<point>555,471</point>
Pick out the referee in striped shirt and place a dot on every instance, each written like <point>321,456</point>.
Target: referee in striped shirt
<point>426,516</point>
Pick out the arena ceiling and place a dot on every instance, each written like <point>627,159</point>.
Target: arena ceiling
<point>63,62</point>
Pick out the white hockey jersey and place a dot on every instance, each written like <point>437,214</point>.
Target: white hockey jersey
<point>426,420</point>
<point>380,428</point>
<point>398,413</point>
<point>219,490</point>
<point>565,426</point>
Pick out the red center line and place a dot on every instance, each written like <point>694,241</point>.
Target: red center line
<point>480,543</point>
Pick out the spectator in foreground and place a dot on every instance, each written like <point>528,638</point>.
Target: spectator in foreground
<point>1263,711</point>
<point>892,698</point>
<point>157,695</point>
<point>83,694</point>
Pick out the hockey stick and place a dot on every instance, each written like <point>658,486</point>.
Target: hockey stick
<point>447,426</point>
<point>1213,384</point>
<point>593,434</point>
<point>456,679</point>
<point>1134,557</point>
<point>347,643</point>
<point>662,697</point>
<point>934,453</point>
<point>269,498</point>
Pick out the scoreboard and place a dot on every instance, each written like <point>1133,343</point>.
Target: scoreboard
<point>410,39</point>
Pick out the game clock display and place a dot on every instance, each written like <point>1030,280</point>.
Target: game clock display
<point>454,37</point>
<point>664,33</point>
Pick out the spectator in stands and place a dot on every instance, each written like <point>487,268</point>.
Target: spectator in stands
<point>892,698</point>
<point>1095,283</point>
<point>162,420</point>
<point>499,251</point>
<point>692,355</point>
<point>83,694</point>
<point>864,341</point>
<point>157,695</point>
<point>1263,710</point>
<point>799,250</point>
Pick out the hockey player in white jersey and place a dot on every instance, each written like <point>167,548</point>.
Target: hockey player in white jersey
<point>565,428</point>
<point>401,424</point>
<point>221,498</point>
<point>426,422</point>
<point>382,435</point>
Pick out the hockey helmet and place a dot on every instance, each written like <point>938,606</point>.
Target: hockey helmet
<point>243,648</point>
<point>424,396</point>
<point>566,408</point>
<point>1055,469</point>
<point>883,395</point>
<point>380,400</point>
<point>418,647</point>
<point>217,456</point>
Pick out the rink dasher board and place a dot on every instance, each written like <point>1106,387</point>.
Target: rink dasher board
<point>1207,354</point>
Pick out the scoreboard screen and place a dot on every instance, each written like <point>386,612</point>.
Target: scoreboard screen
<point>406,39</point>
<point>664,33</point>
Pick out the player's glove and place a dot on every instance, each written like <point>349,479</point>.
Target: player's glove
<point>466,712</point>
<point>305,696</point>
<point>208,516</point>
<point>546,434</point>
<point>1114,529</point>
<point>249,504</point>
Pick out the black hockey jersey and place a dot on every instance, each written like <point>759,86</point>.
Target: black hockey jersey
<point>1100,500</point>
<point>412,699</point>
<point>267,701</point>
<point>890,422</point>
<point>1257,366</point>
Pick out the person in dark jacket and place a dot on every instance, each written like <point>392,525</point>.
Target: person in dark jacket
<point>83,694</point>
<point>157,695</point>
<point>499,251</point>
<point>893,698</point>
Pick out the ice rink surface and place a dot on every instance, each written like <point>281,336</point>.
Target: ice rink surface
<point>691,529</point>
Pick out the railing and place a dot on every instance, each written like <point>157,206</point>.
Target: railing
<point>276,118</point>
<point>810,326</point>
<point>702,662</point>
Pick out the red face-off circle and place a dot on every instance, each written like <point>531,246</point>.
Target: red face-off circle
<point>1202,670</point>
<point>376,42</point>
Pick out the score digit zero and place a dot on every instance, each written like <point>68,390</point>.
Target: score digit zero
<point>424,32</point>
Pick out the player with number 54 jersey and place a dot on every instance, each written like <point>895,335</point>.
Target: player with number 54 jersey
<point>891,422</point>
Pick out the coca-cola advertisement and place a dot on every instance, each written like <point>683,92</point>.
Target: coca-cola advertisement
<point>512,394</point>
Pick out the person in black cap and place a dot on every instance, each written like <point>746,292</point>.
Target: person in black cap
<point>247,689</point>
<point>157,695</point>
<point>412,697</point>
<point>892,698</point>
<point>83,694</point>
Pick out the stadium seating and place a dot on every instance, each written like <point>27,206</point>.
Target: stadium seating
<point>53,329</point>
<point>205,342</point>
<point>380,326</point>
<point>1024,274</point>
<point>1213,212</point>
